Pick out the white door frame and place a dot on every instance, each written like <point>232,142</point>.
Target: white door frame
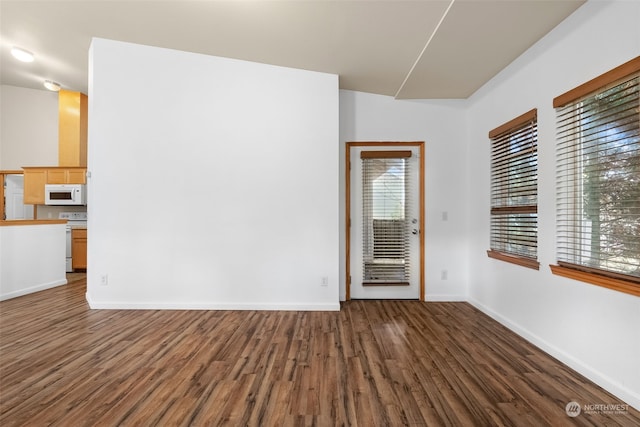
<point>421,184</point>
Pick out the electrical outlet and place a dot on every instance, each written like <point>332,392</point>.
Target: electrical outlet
<point>104,280</point>
<point>444,274</point>
<point>324,281</point>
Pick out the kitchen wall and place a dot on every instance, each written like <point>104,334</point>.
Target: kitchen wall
<point>440,124</point>
<point>592,329</point>
<point>213,182</point>
<point>28,127</point>
<point>53,212</point>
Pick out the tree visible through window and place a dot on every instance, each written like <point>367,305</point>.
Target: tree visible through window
<point>598,179</point>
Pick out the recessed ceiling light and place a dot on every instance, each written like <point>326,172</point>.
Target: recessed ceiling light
<point>52,86</point>
<point>21,54</point>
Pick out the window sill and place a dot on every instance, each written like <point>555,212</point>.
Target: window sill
<point>597,279</point>
<point>522,261</point>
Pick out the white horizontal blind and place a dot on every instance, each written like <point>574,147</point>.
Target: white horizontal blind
<point>514,187</point>
<point>386,202</point>
<point>598,181</point>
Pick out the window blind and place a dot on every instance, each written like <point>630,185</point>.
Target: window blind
<point>386,202</point>
<point>598,180</point>
<point>514,187</point>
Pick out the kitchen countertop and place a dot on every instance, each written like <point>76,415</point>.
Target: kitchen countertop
<point>5,223</point>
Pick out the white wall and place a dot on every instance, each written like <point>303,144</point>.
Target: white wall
<point>32,258</point>
<point>592,329</point>
<point>213,182</point>
<point>440,124</point>
<point>28,127</point>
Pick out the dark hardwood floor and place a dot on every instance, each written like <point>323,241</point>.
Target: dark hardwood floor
<point>374,363</point>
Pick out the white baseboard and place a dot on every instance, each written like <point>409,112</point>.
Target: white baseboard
<point>210,306</point>
<point>32,289</point>
<point>445,298</point>
<point>625,394</point>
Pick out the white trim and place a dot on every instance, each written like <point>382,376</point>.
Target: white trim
<point>627,395</point>
<point>118,305</point>
<point>445,298</point>
<point>33,289</point>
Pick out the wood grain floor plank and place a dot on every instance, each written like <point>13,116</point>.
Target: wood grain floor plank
<point>373,363</point>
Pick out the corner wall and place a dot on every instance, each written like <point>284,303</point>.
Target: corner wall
<point>592,329</point>
<point>213,182</point>
<point>368,117</point>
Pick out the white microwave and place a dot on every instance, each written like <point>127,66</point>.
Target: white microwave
<point>65,194</point>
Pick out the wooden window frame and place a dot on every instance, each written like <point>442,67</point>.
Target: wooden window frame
<point>610,280</point>
<point>500,131</point>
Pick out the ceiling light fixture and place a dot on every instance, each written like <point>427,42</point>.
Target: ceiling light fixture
<point>21,54</point>
<point>52,86</point>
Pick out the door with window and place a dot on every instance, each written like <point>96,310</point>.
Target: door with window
<point>385,240</point>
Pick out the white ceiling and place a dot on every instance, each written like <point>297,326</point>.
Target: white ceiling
<point>408,49</point>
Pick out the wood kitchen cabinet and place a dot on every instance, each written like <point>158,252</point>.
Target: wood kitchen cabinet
<point>66,175</point>
<point>79,248</point>
<point>72,129</point>
<point>35,179</point>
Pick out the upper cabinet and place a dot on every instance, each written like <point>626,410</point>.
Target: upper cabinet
<point>72,128</point>
<point>35,179</point>
<point>63,175</point>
